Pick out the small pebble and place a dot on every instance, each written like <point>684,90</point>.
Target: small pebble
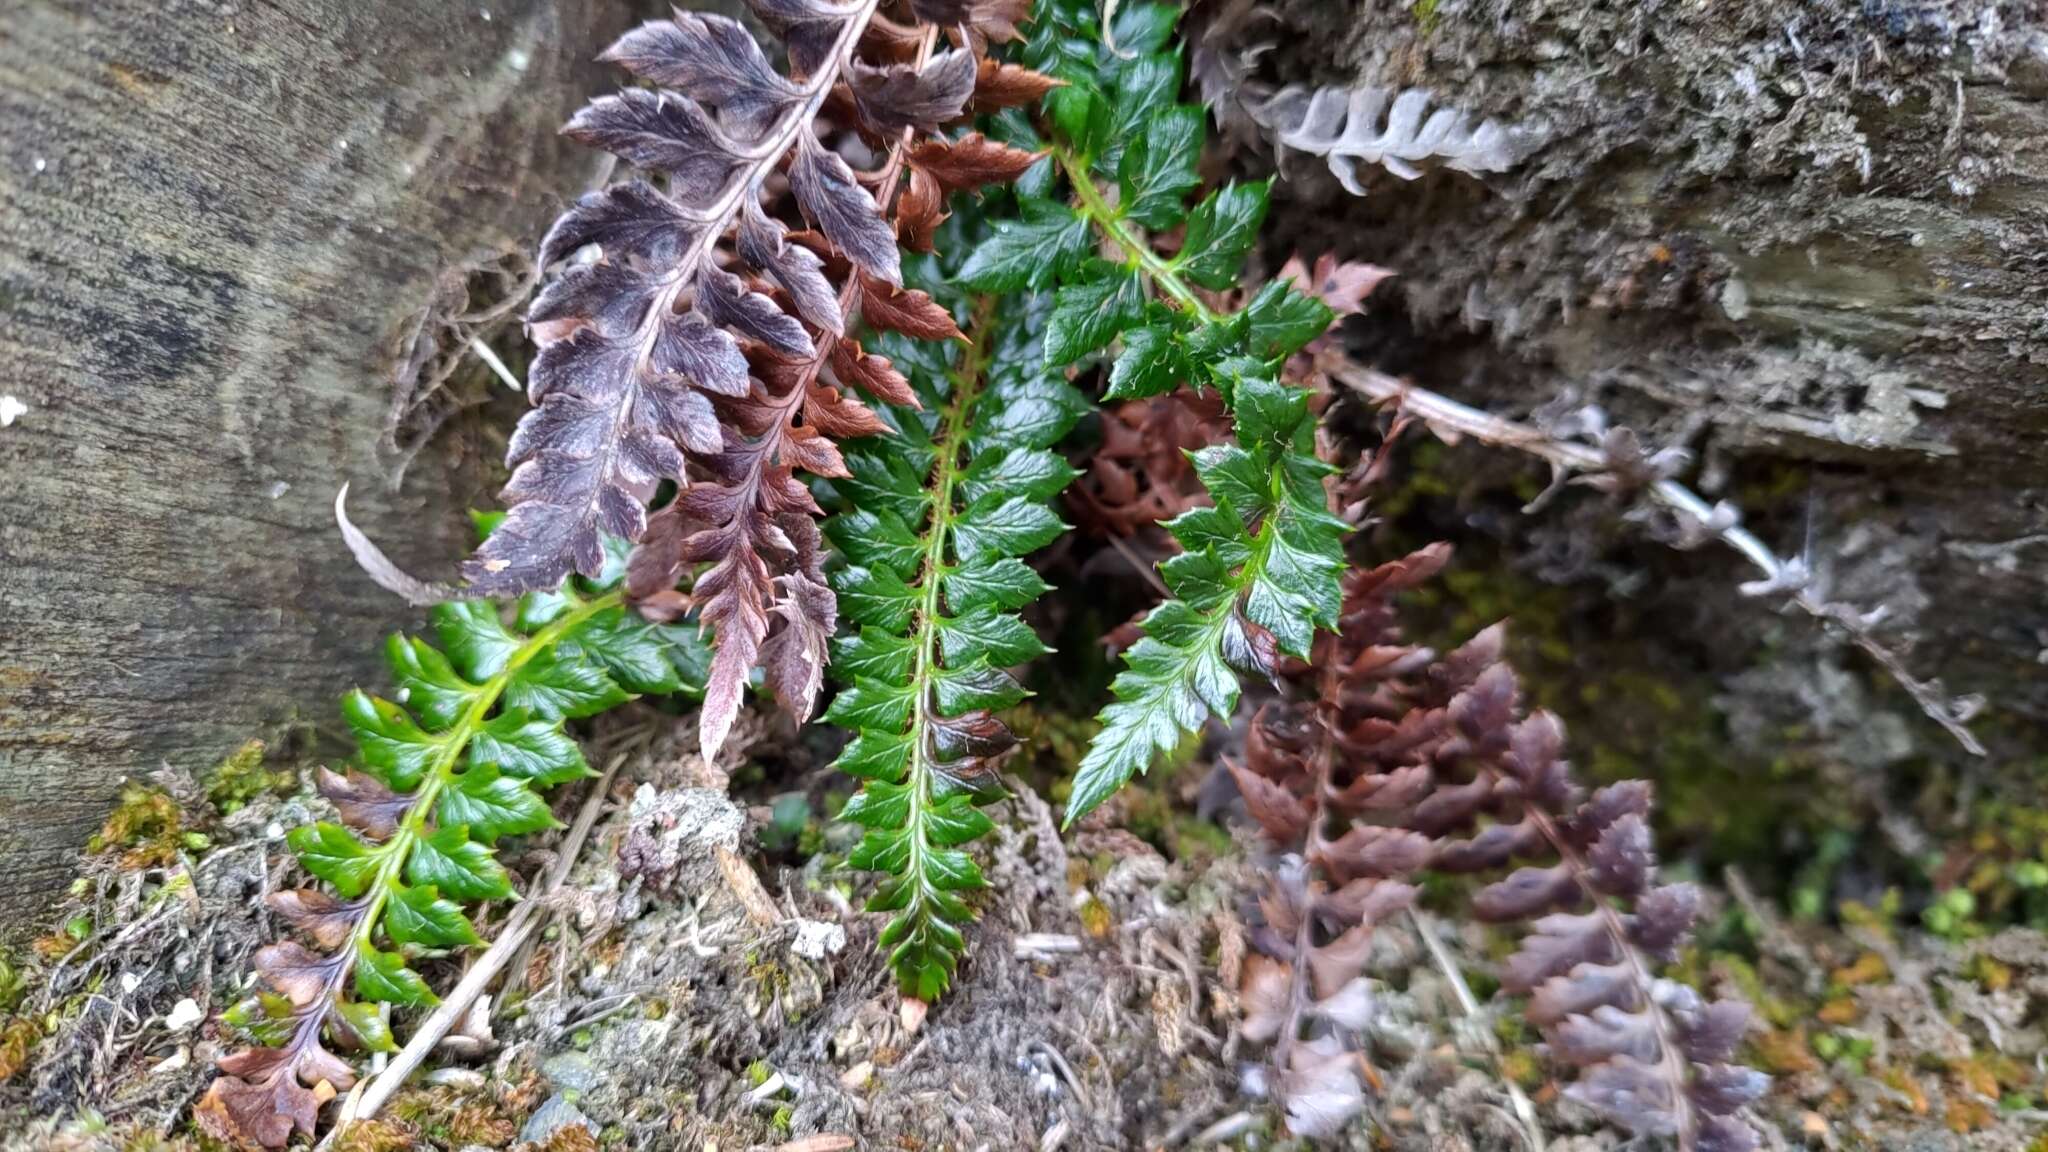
<point>11,409</point>
<point>551,1117</point>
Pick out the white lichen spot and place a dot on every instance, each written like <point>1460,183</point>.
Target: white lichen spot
<point>41,164</point>
<point>1735,299</point>
<point>517,59</point>
<point>184,1014</point>
<point>817,939</point>
<point>11,409</point>
<point>277,489</point>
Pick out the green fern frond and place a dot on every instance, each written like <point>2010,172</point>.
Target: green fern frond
<point>1259,570</point>
<point>443,772</point>
<point>944,512</point>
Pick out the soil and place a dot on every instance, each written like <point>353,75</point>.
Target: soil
<point>698,990</point>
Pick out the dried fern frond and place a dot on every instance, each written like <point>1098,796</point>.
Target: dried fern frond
<point>1345,126</point>
<point>1321,778</point>
<point>1653,1057</point>
<point>709,345</point>
<point>1429,764</point>
<point>1142,474</point>
<point>1376,126</point>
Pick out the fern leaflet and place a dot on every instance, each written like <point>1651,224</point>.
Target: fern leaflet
<point>440,779</point>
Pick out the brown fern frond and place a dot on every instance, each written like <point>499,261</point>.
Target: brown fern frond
<point>1141,474</point>
<point>1342,868</point>
<point>707,344</point>
<point>1652,1055</point>
<point>1402,762</point>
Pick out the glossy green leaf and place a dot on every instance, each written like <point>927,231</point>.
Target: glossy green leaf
<point>1004,584</point>
<point>975,686</point>
<point>475,639</point>
<point>985,634</point>
<point>391,747</point>
<point>336,855</point>
<point>460,867</point>
<point>1089,313</point>
<point>1221,229</point>
<point>875,597</point>
<point>1151,364</point>
<point>1027,253</point>
<point>492,804</point>
<point>557,685</point>
<point>1284,320</point>
<point>1160,168</point>
<point>367,1025</point>
<point>1013,527</point>
<point>383,976</point>
<point>534,750</point>
<point>427,683</point>
<point>630,648</point>
<point>419,916</point>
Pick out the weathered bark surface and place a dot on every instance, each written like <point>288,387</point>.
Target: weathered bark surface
<point>215,221</point>
<point>1802,238</point>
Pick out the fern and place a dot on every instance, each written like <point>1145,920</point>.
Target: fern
<point>662,362</point>
<point>943,510</point>
<point>440,779</point>
<point>1427,764</point>
<point>1652,1055</point>
<point>1384,127</point>
<point>1258,571</point>
<point>1349,126</point>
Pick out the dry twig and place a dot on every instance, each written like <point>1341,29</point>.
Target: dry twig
<point>1450,420</point>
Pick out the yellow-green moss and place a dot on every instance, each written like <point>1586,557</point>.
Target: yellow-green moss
<point>146,827</point>
<point>243,777</point>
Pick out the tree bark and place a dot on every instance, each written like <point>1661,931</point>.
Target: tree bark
<point>1801,238</point>
<point>218,222</point>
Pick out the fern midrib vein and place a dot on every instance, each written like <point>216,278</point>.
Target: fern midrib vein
<point>1108,219</point>
<point>967,386</point>
<point>786,406</point>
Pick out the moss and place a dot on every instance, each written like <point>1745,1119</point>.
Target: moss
<point>17,1038</point>
<point>379,1135</point>
<point>1096,919</point>
<point>146,828</point>
<point>13,983</point>
<point>243,777</point>
<point>1153,814</point>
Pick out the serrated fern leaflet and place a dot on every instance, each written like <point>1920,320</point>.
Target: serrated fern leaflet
<point>944,511</point>
<point>440,779</point>
<point>1259,570</point>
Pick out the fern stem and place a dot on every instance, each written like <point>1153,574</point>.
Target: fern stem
<point>955,422</point>
<point>398,849</point>
<point>1109,221</point>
